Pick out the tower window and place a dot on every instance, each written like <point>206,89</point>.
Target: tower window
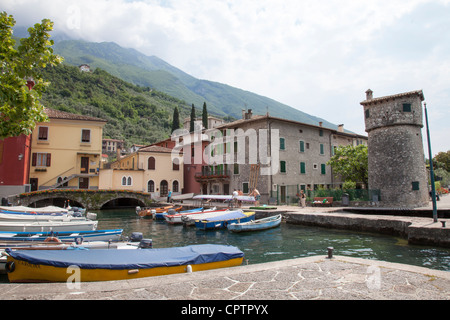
<point>415,185</point>
<point>407,107</point>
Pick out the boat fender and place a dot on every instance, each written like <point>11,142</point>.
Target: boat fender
<point>52,239</point>
<point>78,240</point>
<point>10,266</point>
<point>136,237</point>
<point>189,269</point>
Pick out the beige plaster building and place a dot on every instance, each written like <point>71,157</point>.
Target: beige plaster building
<point>150,169</point>
<point>66,151</point>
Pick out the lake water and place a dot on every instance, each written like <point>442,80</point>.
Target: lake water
<point>285,242</point>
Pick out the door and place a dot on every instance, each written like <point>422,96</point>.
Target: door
<point>33,184</point>
<point>84,164</point>
<point>83,183</point>
<point>282,194</point>
<point>164,189</point>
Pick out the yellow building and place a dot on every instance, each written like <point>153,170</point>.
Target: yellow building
<point>66,152</point>
<point>150,169</point>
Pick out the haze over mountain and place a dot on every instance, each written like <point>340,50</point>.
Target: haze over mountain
<point>151,71</point>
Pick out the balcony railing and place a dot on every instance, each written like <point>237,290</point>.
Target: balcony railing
<point>213,175</point>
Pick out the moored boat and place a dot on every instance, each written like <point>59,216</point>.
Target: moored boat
<point>105,265</point>
<point>177,218</point>
<point>222,221</point>
<point>256,225</point>
<point>189,220</point>
<point>63,236</point>
<point>162,214</point>
<point>56,226</point>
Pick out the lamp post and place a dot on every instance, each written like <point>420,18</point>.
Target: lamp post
<point>433,188</point>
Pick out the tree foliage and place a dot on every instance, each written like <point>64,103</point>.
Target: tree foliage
<point>21,81</point>
<point>351,163</point>
<point>205,116</point>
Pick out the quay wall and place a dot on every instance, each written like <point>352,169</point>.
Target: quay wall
<point>415,230</point>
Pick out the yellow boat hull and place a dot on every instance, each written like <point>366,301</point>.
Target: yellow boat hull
<point>28,272</point>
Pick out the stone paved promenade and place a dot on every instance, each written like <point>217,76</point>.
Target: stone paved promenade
<point>311,278</point>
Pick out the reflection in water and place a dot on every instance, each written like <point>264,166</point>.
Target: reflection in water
<point>286,242</point>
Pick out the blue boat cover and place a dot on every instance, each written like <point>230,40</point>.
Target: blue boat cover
<point>227,216</point>
<point>129,259</point>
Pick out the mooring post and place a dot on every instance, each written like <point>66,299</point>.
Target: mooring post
<point>330,252</point>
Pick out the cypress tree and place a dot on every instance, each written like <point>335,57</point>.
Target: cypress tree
<point>175,120</point>
<point>191,128</point>
<point>205,116</point>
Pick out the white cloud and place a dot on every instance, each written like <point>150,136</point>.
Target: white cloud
<point>318,56</point>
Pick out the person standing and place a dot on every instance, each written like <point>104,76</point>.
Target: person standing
<point>302,199</point>
<point>169,196</point>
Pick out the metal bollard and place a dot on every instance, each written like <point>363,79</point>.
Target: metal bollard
<point>330,252</point>
<point>443,224</point>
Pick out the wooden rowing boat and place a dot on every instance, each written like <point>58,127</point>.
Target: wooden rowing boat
<point>256,225</point>
<point>106,265</point>
<point>178,218</point>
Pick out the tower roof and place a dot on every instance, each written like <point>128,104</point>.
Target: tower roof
<point>395,96</point>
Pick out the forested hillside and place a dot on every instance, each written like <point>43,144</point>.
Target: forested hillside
<point>135,114</point>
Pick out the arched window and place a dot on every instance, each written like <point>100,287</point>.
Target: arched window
<point>124,181</point>
<point>151,186</point>
<point>175,186</point>
<point>129,181</point>
<point>151,163</point>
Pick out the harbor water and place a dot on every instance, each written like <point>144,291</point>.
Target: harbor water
<point>285,242</point>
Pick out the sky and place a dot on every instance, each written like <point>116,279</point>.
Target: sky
<point>318,56</point>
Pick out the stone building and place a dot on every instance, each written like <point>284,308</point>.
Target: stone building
<point>396,155</point>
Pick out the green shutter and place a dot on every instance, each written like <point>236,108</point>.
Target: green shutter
<point>323,168</point>
<point>302,167</point>
<point>302,146</point>
<point>283,166</point>
<point>282,147</point>
<point>321,149</point>
<point>407,107</point>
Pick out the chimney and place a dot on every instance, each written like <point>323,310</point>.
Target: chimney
<point>320,123</point>
<point>243,114</point>
<point>249,114</point>
<point>340,128</point>
<point>369,94</point>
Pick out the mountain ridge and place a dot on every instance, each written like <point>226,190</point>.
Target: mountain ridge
<point>151,71</point>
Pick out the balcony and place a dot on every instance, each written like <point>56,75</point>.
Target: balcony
<point>216,175</point>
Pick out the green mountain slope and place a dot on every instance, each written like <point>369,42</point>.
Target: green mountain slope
<point>150,71</point>
<point>135,114</point>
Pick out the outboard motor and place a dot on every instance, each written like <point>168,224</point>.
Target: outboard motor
<point>136,237</point>
<point>146,244</point>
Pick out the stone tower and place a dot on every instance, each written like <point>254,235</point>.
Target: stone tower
<point>396,156</point>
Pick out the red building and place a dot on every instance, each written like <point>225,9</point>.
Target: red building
<point>14,165</point>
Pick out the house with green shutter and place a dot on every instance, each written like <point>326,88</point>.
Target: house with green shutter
<point>279,157</point>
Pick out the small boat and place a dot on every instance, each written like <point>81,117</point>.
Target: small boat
<point>256,225</point>
<point>177,218</point>
<point>41,226</point>
<point>222,221</point>
<point>106,265</point>
<point>63,236</point>
<point>161,215</point>
<point>189,220</point>
<point>151,211</point>
<point>50,210</point>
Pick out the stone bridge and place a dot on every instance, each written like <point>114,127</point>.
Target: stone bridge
<point>89,199</point>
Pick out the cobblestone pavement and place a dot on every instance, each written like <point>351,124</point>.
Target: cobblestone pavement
<point>311,278</point>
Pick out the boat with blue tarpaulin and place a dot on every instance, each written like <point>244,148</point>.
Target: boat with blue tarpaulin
<point>108,265</point>
<point>221,221</point>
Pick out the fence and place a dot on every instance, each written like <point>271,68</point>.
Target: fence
<point>289,194</point>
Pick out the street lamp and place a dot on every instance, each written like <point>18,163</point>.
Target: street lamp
<point>433,188</point>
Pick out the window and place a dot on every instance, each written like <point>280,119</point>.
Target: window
<point>302,167</point>
<point>236,168</point>
<point>175,186</point>
<point>323,169</point>
<point>322,149</point>
<point>321,132</point>
<point>124,181</point>
<point>175,165</point>
<point>43,134</point>
<point>302,146</point>
<point>129,181</point>
<point>407,107</point>
<point>283,166</point>
<point>245,187</point>
<point>151,186</point>
<point>415,185</point>
<point>151,163</point>
<point>367,113</point>
<point>282,144</point>
<point>85,135</point>
<point>41,159</point>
